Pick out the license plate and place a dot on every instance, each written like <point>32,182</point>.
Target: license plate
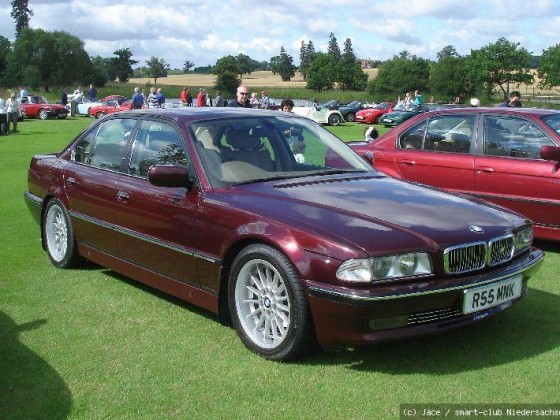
<point>484,297</point>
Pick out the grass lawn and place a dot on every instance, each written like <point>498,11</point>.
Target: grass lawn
<point>90,343</point>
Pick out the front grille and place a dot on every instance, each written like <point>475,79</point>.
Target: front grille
<point>501,250</point>
<point>464,258</point>
<point>433,316</point>
<point>477,255</point>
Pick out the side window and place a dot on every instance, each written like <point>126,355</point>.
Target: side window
<point>513,137</point>
<point>104,146</point>
<point>451,133</point>
<point>157,143</point>
<point>413,137</point>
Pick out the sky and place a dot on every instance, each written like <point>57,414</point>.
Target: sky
<point>202,31</point>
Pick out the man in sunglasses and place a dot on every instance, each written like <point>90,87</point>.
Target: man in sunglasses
<point>241,98</point>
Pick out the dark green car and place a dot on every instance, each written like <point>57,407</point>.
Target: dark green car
<point>392,119</point>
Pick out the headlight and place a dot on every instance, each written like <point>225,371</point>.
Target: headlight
<point>385,268</point>
<point>524,238</point>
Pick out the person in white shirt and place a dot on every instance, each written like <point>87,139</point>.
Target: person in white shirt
<point>12,106</point>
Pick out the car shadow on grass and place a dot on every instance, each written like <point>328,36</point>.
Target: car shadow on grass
<point>29,386</point>
<point>524,331</point>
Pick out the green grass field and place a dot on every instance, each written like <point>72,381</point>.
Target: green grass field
<point>90,343</point>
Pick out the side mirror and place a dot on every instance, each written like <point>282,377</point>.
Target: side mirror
<point>550,153</point>
<point>169,176</point>
<point>369,157</point>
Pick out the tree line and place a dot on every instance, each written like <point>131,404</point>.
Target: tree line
<point>54,59</point>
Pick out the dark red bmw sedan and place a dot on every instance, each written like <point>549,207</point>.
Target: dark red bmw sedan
<point>508,156</point>
<point>242,212</point>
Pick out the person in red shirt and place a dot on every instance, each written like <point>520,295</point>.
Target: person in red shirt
<point>183,97</point>
<point>200,99</point>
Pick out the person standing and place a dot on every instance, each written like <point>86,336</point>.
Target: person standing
<point>254,101</point>
<point>92,93</point>
<point>12,107</point>
<point>183,96</point>
<point>265,100</point>
<point>200,100</point>
<point>3,117</point>
<point>160,98</point>
<point>241,98</point>
<point>189,97</point>
<point>417,97</point>
<point>219,99</point>
<point>153,98</point>
<point>208,98</point>
<point>514,100</point>
<point>137,99</point>
<point>64,97</point>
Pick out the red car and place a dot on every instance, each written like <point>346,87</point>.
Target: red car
<point>371,115</point>
<point>110,106</point>
<point>39,107</point>
<point>508,156</point>
<point>217,207</point>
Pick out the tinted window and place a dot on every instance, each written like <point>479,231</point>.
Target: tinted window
<point>514,137</point>
<point>157,143</point>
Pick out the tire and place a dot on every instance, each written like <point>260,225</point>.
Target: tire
<point>334,119</point>
<point>350,117</point>
<point>99,114</point>
<point>268,306</point>
<point>58,236</point>
<point>43,115</point>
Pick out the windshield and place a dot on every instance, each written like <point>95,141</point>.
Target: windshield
<point>256,149</point>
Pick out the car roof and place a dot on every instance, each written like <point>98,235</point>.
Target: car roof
<point>496,110</point>
<point>187,114</point>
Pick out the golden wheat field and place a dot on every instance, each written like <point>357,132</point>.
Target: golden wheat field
<point>257,78</point>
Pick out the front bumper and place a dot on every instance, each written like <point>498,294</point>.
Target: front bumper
<point>346,317</point>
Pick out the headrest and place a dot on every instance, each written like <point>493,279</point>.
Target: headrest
<point>241,139</point>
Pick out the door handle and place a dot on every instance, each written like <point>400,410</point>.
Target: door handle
<point>71,181</point>
<point>485,169</point>
<point>408,162</point>
<point>122,196</point>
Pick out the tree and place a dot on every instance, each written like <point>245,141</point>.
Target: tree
<point>5,49</point>
<point>122,64</point>
<point>99,74</point>
<point>319,74</point>
<point>306,56</point>
<point>187,66</point>
<point>350,73</point>
<point>448,78</point>
<point>156,67</point>
<point>48,59</point>
<point>21,14</point>
<point>549,70</point>
<point>244,65</point>
<point>333,49</point>
<point>447,51</point>
<point>226,72</point>
<point>498,65</point>
<point>283,65</point>
<point>404,73</point>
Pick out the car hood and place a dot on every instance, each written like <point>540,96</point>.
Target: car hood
<point>375,212</point>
